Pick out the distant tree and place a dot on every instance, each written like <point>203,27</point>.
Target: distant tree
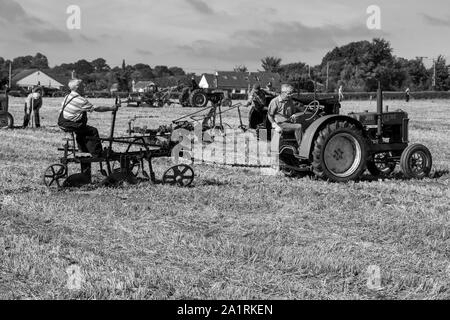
<point>142,72</point>
<point>271,64</point>
<point>83,67</point>
<point>22,62</point>
<point>240,68</point>
<point>100,65</point>
<point>177,71</point>
<point>161,71</point>
<point>39,61</point>
<point>442,74</point>
<point>293,71</point>
<point>418,76</point>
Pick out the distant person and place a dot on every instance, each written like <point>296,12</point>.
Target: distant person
<point>194,84</point>
<point>269,89</point>
<point>73,118</point>
<point>341,93</point>
<point>33,104</point>
<point>257,101</point>
<point>407,94</point>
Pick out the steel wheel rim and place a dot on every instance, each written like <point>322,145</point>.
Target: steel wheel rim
<point>381,164</point>
<point>338,152</point>
<point>181,175</point>
<point>418,162</point>
<point>54,174</point>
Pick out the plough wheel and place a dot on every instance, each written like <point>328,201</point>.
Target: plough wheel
<point>54,175</point>
<point>182,175</point>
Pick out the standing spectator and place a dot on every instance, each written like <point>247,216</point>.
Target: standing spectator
<point>341,93</point>
<point>407,94</point>
<point>270,90</point>
<point>33,104</point>
<point>257,101</point>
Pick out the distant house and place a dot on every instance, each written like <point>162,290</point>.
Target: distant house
<point>114,88</point>
<point>33,77</point>
<point>240,82</point>
<point>142,86</point>
<point>207,81</point>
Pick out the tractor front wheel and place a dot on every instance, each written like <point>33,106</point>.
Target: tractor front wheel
<point>416,162</point>
<point>7,122</point>
<point>340,153</point>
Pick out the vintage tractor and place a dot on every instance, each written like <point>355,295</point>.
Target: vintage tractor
<point>156,99</point>
<point>6,119</point>
<point>199,98</point>
<point>340,148</point>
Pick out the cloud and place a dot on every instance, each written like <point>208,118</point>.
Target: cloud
<point>200,6</point>
<point>436,22</point>
<point>12,11</point>
<point>33,28</point>
<point>278,39</point>
<point>88,39</point>
<point>143,52</point>
<point>47,36</point>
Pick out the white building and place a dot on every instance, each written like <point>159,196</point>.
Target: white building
<point>34,77</point>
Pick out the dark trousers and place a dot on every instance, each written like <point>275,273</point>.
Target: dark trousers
<point>295,128</point>
<point>26,118</point>
<point>87,137</point>
<point>88,140</point>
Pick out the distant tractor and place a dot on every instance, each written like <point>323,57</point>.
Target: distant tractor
<point>340,148</point>
<point>199,98</point>
<point>156,97</point>
<point>6,119</point>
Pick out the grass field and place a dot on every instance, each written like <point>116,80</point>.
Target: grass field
<point>236,234</point>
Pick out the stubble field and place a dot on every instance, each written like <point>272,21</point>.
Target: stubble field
<point>236,234</point>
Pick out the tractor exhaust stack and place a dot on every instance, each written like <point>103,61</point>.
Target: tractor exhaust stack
<point>380,111</point>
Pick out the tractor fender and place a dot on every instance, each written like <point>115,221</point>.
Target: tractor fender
<point>314,129</point>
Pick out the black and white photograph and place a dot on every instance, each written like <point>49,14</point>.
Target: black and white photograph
<point>237,152</point>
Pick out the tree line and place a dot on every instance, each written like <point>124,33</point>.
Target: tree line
<point>357,66</point>
<point>96,74</point>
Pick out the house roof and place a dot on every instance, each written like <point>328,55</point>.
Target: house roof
<point>27,72</point>
<point>242,80</point>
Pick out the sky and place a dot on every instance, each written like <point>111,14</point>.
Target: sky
<point>209,35</point>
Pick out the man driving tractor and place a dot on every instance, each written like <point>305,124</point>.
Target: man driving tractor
<point>283,113</point>
<point>73,118</point>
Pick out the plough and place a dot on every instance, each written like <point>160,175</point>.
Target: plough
<point>129,166</point>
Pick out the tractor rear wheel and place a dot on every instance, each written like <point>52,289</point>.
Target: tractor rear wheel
<point>416,162</point>
<point>198,99</point>
<point>184,97</point>
<point>340,152</point>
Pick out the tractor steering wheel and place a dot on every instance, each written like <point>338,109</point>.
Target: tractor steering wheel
<point>314,107</point>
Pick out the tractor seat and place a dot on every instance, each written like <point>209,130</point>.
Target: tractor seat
<point>66,130</point>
